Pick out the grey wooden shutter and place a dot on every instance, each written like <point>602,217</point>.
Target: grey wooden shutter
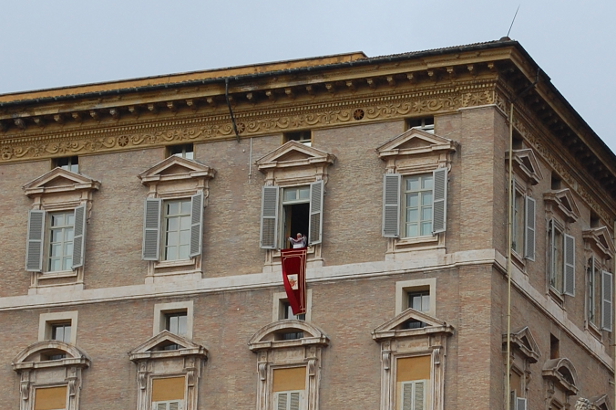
<point>419,393</point>
<point>607,297</point>
<point>79,244</point>
<point>439,207</point>
<point>529,234</point>
<point>36,236</point>
<point>520,403</point>
<point>196,224</point>
<point>282,399</point>
<point>569,266</point>
<point>552,254</point>
<point>295,400</point>
<point>151,229</point>
<point>407,396</point>
<point>315,226</point>
<point>391,205</point>
<point>269,217</point>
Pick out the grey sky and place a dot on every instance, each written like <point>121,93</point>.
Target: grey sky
<point>57,43</point>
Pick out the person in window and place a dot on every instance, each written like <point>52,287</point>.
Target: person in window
<point>299,242</point>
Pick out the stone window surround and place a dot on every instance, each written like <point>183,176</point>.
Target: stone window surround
<point>46,320</point>
<point>403,287</point>
<point>280,296</point>
<point>160,309</point>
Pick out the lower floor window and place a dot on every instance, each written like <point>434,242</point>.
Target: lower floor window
<point>413,378</point>
<point>288,388</point>
<point>168,393</point>
<point>50,398</point>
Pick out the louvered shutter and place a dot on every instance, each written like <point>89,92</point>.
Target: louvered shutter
<point>439,207</point>
<point>282,399</point>
<point>168,405</point>
<point>529,235</point>
<point>315,228</point>
<point>269,217</point>
<point>151,229</point>
<point>419,393</point>
<point>295,400</point>
<point>391,205</point>
<point>196,224</point>
<point>569,266</point>
<point>552,254</point>
<point>520,403</point>
<point>607,297</point>
<point>36,236</point>
<point>79,244</point>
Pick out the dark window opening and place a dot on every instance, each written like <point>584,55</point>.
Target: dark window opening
<point>518,141</point>
<point>554,347</point>
<point>413,324</point>
<point>61,332</point>
<point>305,137</point>
<point>67,163</point>
<point>53,355</point>
<point>287,312</point>
<point>556,181</point>
<point>183,150</point>
<point>296,220</point>
<point>595,221</point>
<point>424,124</point>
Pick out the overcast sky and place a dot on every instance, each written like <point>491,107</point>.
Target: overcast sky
<point>55,43</point>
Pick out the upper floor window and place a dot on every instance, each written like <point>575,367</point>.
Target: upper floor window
<point>599,280</point>
<point>425,124</point>
<point>418,203</point>
<point>61,331</point>
<point>561,259</point>
<point>61,237</point>
<point>67,163</point>
<point>183,151</point>
<point>523,230</point>
<point>304,137</point>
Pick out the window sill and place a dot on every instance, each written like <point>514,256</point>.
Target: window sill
<point>402,242</point>
<point>595,331</point>
<point>558,297</point>
<point>174,263</point>
<point>518,260</point>
<point>57,274</point>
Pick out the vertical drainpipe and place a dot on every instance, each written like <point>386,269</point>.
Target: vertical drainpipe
<point>509,266</point>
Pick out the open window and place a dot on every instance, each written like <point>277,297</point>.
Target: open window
<point>599,254</point>
<point>56,243</point>
<point>415,188</point>
<point>173,216</point>
<point>293,197</point>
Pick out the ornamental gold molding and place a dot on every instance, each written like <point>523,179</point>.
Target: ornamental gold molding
<point>259,121</point>
<point>535,137</point>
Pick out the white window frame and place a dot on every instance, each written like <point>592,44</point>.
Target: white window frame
<point>413,406</point>
<point>162,309</point>
<point>167,404</point>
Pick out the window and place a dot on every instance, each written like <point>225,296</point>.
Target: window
<point>424,124</point>
<point>561,260</point>
<point>419,294</point>
<point>176,317</point>
<point>523,231</point>
<point>61,332</point>
<point>281,308</point>
<point>183,150</point>
<point>524,352</point>
<point>412,379</point>
<point>60,326</point>
<point>173,217</point>
<point>61,235</point>
<point>177,323</point>
<point>418,300</point>
<point>424,199</point>
<point>600,289</point>
<point>289,371</point>
<point>304,137</point>
<point>67,163</point>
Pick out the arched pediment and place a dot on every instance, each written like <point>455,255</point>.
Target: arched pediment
<point>563,199</point>
<point>415,141</point>
<point>35,355</point>
<point>396,327</point>
<point>524,340</point>
<point>60,180</point>
<point>176,168</point>
<point>154,347</point>
<point>526,162</point>
<point>268,335</point>
<point>563,372</point>
<point>601,239</point>
<point>294,154</point>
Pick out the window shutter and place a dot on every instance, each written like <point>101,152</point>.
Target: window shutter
<point>391,205</point>
<point>36,235</point>
<point>569,266</point>
<point>529,239</point>
<point>439,208</point>
<point>607,288</point>
<point>419,395</point>
<point>315,227</point>
<point>151,229</point>
<point>520,403</point>
<point>79,243</point>
<point>282,399</point>
<point>295,400</point>
<point>269,217</point>
<point>552,254</point>
<point>196,224</point>
<point>407,396</point>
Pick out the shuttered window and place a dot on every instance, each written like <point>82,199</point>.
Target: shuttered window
<point>524,225</point>
<point>413,395</point>
<point>607,297</point>
<point>168,405</point>
<point>316,213</point>
<point>569,266</point>
<point>529,237</point>
<point>289,400</point>
<point>561,266</point>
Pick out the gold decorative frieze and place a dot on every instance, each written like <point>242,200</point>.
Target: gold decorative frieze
<point>259,121</point>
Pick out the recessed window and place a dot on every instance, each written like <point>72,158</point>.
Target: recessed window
<point>304,137</point>
<point>67,163</point>
<point>61,237</point>
<point>418,300</point>
<point>177,322</point>
<point>61,332</point>
<point>183,151</point>
<point>424,124</point>
<point>554,347</point>
<point>561,259</point>
<point>177,217</point>
<point>419,294</point>
<point>295,212</point>
<point>555,181</point>
<point>286,312</point>
<point>417,205</point>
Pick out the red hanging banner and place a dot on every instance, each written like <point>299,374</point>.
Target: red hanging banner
<point>294,278</point>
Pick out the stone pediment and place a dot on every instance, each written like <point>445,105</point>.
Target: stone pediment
<point>294,154</point>
<point>524,340</point>
<point>267,336</point>
<point>176,168</point>
<point>34,356</point>
<point>396,326</point>
<point>563,199</point>
<point>154,347</point>
<point>60,180</point>
<point>525,162</point>
<point>413,142</point>
<point>601,238</point>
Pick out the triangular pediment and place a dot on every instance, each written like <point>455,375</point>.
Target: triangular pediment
<point>293,153</point>
<point>601,238</point>
<point>397,327</point>
<point>524,340</point>
<point>60,180</point>
<point>526,162</point>
<point>175,168</point>
<point>415,141</point>
<point>564,201</point>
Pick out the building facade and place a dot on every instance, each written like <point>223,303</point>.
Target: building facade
<point>460,221</point>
